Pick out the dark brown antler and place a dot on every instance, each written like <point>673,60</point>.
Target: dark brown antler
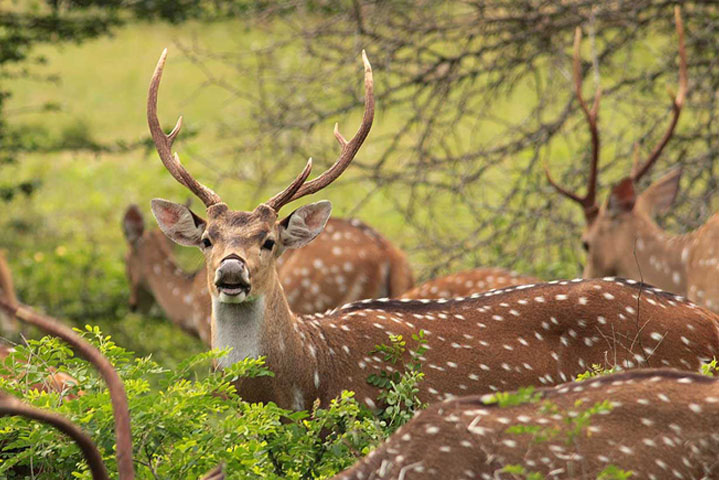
<point>285,196</point>
<point>677,102</point>
<point>163,142</point>
<point>10,405</point>
<point>298,189</point>
<point>125,467</point>
<point>588,201</point>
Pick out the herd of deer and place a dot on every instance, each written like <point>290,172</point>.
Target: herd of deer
<point>487,330</point>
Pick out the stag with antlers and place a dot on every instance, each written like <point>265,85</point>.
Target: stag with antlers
<point>531,334</point>
<point>621,237</point>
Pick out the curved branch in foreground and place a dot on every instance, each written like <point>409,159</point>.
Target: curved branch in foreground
<point>10,406</point>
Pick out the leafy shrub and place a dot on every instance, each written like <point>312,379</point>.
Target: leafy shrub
<point>183,427</point>
<point>399,390</point>
<point>185,422</point>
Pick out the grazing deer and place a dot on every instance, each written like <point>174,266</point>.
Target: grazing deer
<point>10,405</point>
<point>361,264</point>
<point>523,335</point>
<point>621,237</point>
<point>468,282</point>
<point>656,423</point>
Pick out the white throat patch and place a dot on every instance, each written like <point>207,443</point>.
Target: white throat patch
<point>238,326</point>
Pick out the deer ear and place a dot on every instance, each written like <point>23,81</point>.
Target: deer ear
<point>302,226</point>
<point>178,222</point>
<point>660,195</point>
<point>133,225</point>
<point>622,198</point>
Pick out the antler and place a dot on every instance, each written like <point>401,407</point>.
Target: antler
<point>10,405</point>
<point>126,469</point>
<point>298,189</point>
<point>163,142</point>
<point>677,102</point>
<point>588,201</point>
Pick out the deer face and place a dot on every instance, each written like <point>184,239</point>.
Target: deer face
<point>241,248</point>
<point>607,238</point>
<point>612,237</point>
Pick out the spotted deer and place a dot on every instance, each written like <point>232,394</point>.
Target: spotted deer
<point>621,237</point>
<point>655,423</point>
<point>10,405</point>
<point>468,282</point>
<point>153,273</point>
<point>348,261</point>
<point>530,334</point>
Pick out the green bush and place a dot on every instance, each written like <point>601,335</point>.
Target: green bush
<point>183,423</point>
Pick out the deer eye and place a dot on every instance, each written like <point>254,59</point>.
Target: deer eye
<point>585,246</point>
<point>269,244</point>
<point>206,242</point>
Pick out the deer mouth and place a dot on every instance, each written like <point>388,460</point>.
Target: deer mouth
<point>233,289</point>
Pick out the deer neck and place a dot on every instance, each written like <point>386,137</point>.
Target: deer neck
<point>262,326</point>
<point>661,258</point>
<point>171,286</point>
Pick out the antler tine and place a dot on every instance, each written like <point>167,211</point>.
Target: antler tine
<point>10,405</point>
<point>163,142</point>
<point>588,201</point>
<point>349,148</point>
<point>561,189</point>
<point>677,103</point>
<point>118,397</point>
<point>340,138</point>
<point>285,195</point>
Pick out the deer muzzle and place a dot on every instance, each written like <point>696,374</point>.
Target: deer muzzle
<point>232,280</point>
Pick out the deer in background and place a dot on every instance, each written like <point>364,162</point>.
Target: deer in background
<point>655,423</point>
<point>153,272</point>
<point>621,237</point>
<point>361,264</point>
<point>10,405</point>
<point>530,334</point>
<point>468,282</point>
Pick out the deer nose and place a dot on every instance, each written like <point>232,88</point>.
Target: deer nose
<point>232,273</point>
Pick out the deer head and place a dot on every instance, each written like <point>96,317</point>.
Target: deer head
<point>133,228</point>
<point>241,247</point>
<point>610,230</point>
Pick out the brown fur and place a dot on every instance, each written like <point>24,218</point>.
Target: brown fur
<point>503,339</point>
<point>468,282</point>
<point>349,261</point>
<point>662,424</point>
